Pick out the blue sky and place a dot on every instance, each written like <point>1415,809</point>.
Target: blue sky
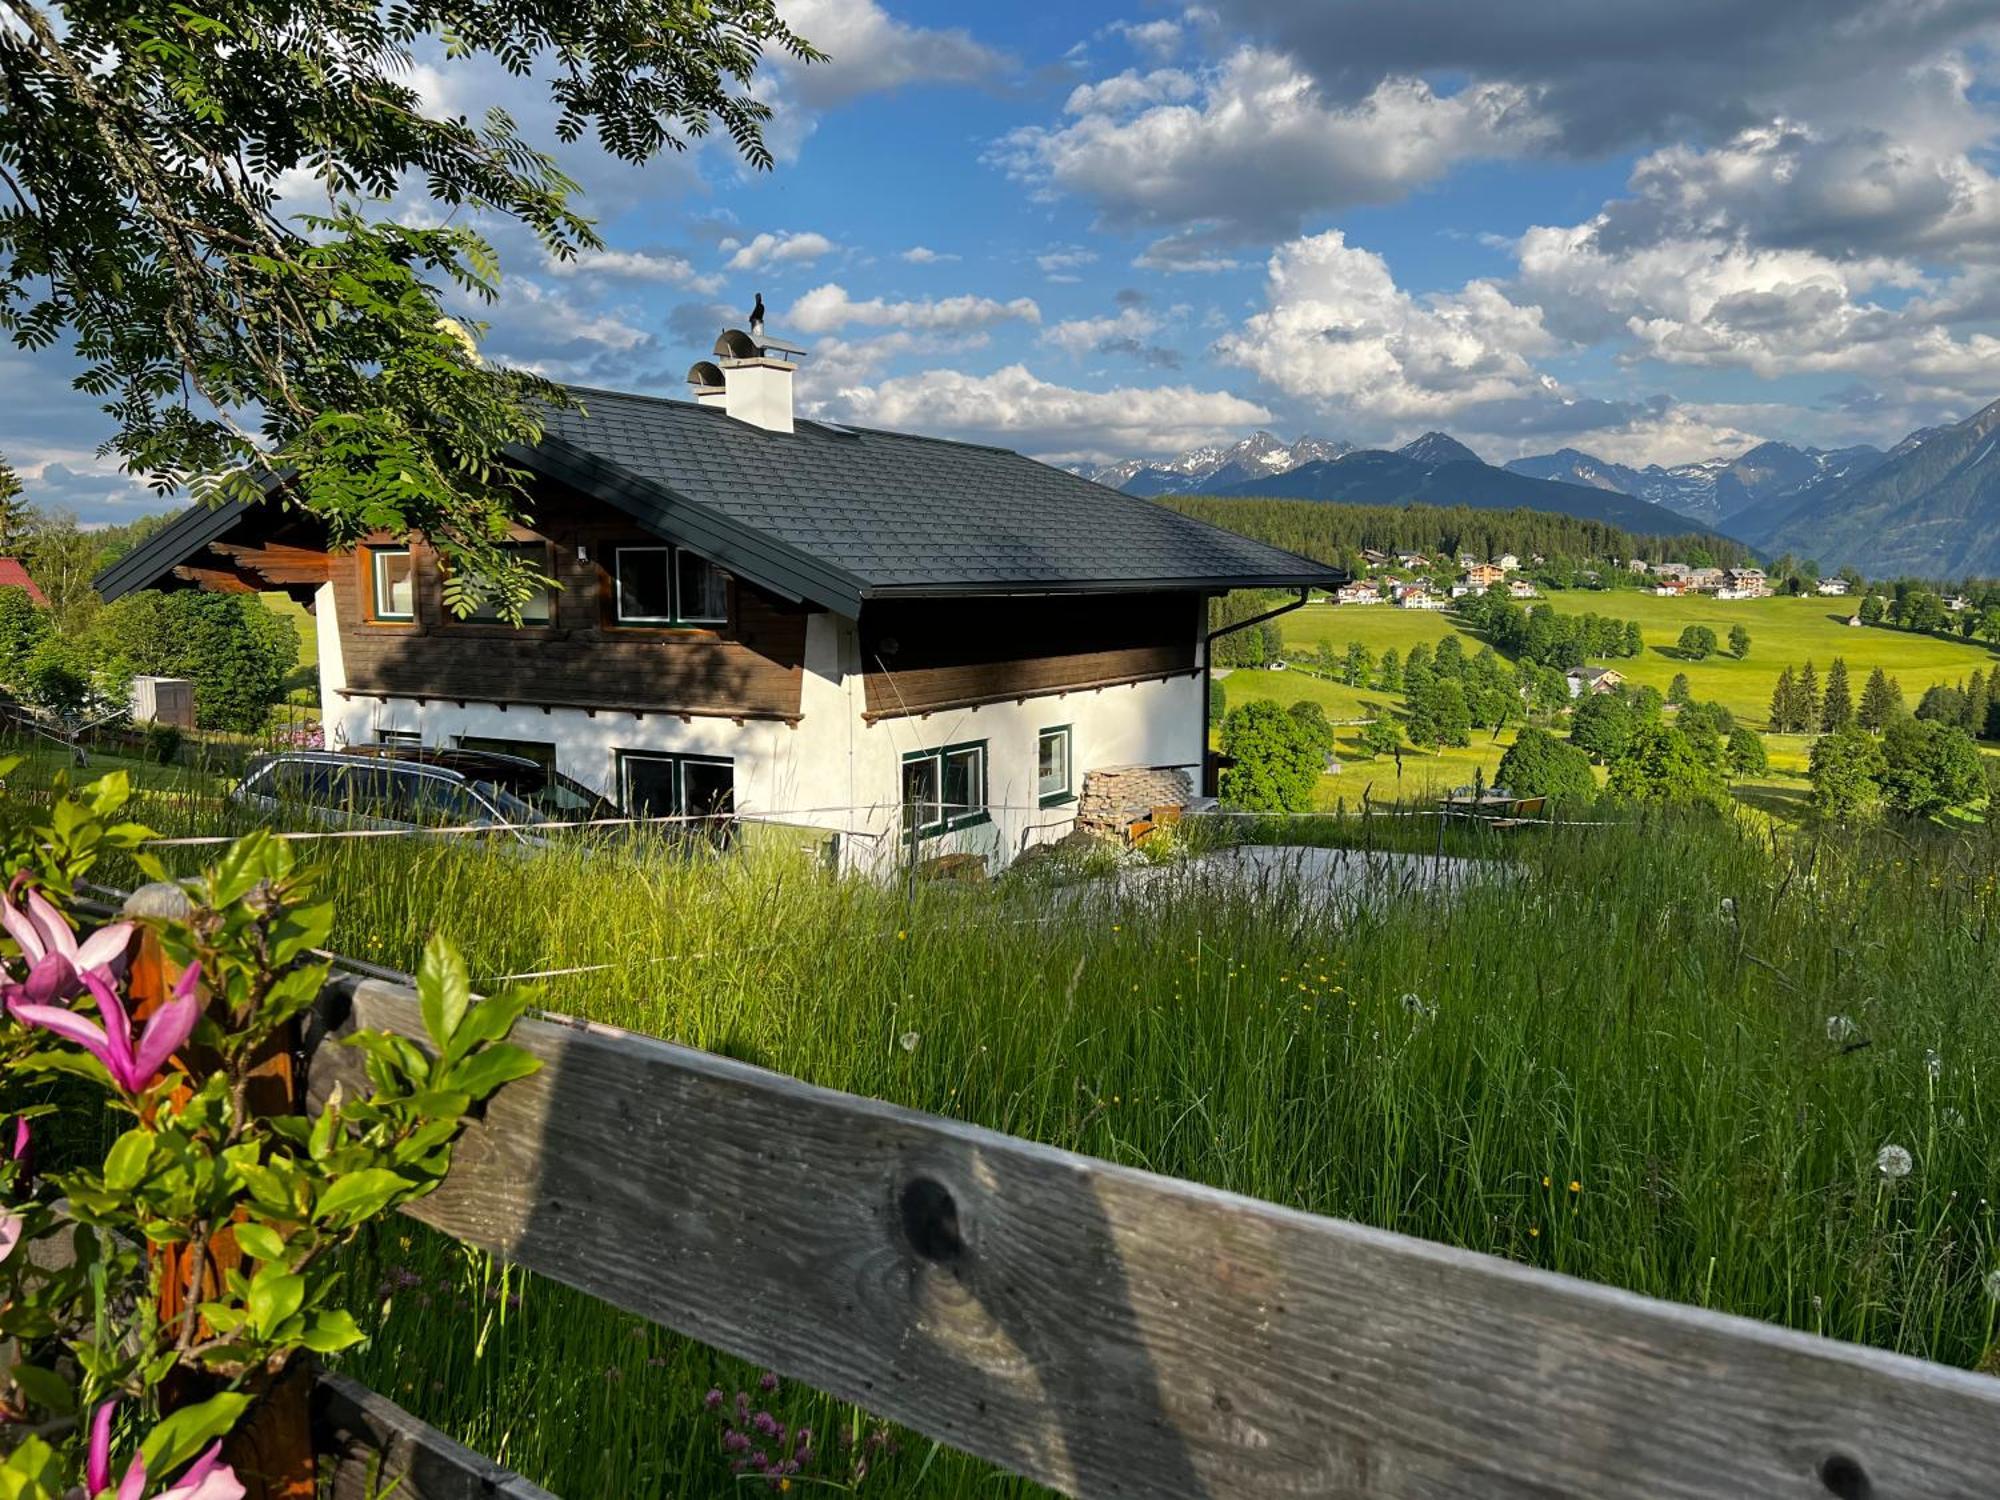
<point>1657,231</point>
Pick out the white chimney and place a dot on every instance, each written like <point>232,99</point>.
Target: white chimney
<point>756,380</point>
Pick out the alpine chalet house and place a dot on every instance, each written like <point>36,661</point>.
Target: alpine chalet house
<point>916,646</point>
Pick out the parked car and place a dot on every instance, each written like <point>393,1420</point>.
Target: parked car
<point>553,795</point>
<point>351,791</point>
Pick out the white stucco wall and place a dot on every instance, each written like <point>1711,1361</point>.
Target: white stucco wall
<point>832,770</point>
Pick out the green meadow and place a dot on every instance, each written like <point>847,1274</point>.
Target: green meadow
<point>1783,632</point>
<point>1607,1069</point>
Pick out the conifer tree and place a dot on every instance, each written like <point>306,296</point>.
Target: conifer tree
<point>1784,703</point>
<point>1837,707</point>
<point>1881,701</point>
<point>1807,709</point>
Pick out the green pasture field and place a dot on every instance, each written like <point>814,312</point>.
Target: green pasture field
<point>1783,632</point>
<point>1608,1072</point>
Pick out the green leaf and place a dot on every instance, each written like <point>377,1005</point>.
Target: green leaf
<point>275,1294</point>
<point>260,1240</point>
<point>444,991</point>
<point>488,1021</point>
<point>45,1388</point>
<point>333,1330</point>
<point>125,1164</point>
<point>360,1195</point>
<point>485,1071</point>
<point>182,1434</point>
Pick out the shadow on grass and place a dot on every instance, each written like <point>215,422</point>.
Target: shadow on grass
<point>1792,804</point>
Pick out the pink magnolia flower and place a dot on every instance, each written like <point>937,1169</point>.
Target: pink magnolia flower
<point>132,1068</point>
<point>41,932</point>
<point>207,1477</point>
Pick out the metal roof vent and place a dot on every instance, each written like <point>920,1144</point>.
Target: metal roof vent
<point>710,389</point>
<point>756,378</point>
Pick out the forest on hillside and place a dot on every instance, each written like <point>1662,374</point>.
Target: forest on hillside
<point>1336,533</point>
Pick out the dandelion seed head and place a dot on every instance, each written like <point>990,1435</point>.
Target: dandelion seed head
<point>1993,1284</point>
<point>1893,1162</point>
<point>1933,1064</point>
<point>910,1040</point>
<point>1839,1028</point>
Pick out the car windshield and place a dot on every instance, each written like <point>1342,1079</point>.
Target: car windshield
<point>510,807</point>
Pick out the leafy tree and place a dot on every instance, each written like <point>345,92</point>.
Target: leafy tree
<point>1218,698</point>
<point>63,558</point>
<point>1440,716</point>
<point>1311,717</point>
<point>1844,769</point>
<point>1678,691</point>
<point>1324,659</point>
<point>1988,628</point>
<point>1538,764</point>
<point>1978,703</point>
<point>1708,727</point>
<point>56,676</point>
<point>1881,701</point>
<point>1837,705</point>
<point>1922,610</point>
<point>1746,752</point>
<point>1389,671</point>
<point>235,649</point>
<point>1276,759</point>
<point>1739,641</point>
<point>1635,643</point>
<point>23,623</point>
<point>1357,666</point>
<point>1872,609</point>
<point>1662,765</point>
<point>1274,642</point>
<point>1928,766</point>
<point>1942,704</point>
<point>1381,736</point>
<point>1697,642</point>
<point>144,144</point>
<point>1417,672</point>
<point>1601,726</point>
<point>1449,658</point>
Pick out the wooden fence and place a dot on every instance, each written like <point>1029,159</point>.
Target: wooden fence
<point>1110,1332</point>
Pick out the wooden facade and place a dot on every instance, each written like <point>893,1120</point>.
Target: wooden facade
<point>922,655</point>
<point>750,667</point>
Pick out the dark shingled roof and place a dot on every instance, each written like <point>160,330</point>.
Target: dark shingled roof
<point>903,515</point>
<point>840,515</point>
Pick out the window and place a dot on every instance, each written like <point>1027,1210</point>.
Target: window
<point>398,737</point>
<point>668,586</point>
<point>645,585</point>
<point>542,752</point>
<point>702,589</point>
<point>1052,773</point>
<point>540,607</point>
<point>664,786</point>
<point>395,583</point>
<point>944,789</point>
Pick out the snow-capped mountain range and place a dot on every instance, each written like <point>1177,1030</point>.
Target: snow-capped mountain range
<point>1260,455</point>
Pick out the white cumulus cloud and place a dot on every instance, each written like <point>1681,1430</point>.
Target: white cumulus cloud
<point>829,307</point>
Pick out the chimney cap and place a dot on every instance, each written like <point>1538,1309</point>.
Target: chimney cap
<point>705,375</point>
<point>736,344</point>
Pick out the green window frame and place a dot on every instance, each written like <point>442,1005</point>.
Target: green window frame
<point>1064,737</point>
<point>944,789</point>
<point>535,612</point>
<point>383,586</point>
<point>701,794</point>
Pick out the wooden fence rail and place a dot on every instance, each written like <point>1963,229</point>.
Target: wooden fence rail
<point>1110,1332</point>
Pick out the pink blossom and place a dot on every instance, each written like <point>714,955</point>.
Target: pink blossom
<point>40,931</point>
<point>132,1069</point>
<point>207,1478</point>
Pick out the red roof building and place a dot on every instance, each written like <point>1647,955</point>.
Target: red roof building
<point>14,576</point>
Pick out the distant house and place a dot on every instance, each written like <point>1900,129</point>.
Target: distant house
<point>1592,680</point>
<point>1413,560</point>
<point>1636,565</point>
<point>1832,587</point>
<point>1520,588</point>
<point>1856,621</point>
<point>1747,583</point>
<point>1958,604</point>
<point>1670,570</point>
<point>14,576</point>
<point>1357,593</point>
<point>1419,597</point>
<point>1706,580</point>
<point>1671,588</point>
<point>1507,562</point>
<point>1373,558</point>
<point>1483,575</point>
